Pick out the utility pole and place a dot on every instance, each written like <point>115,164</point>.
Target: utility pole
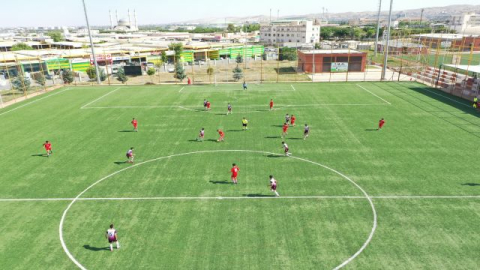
<point>91,43</point>
<point>378,26</point>
<point>387,43</point>
<point>421,17</point>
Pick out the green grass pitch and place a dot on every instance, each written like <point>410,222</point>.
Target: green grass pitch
<point>175,208</point>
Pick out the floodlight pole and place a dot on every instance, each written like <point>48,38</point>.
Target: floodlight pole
<point>378,26</point>
<point>387,43</point>
<point>91,43</point>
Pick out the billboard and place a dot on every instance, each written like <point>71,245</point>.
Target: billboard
<point>339,67</point>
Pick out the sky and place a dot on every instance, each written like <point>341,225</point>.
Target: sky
<point>70,12</point>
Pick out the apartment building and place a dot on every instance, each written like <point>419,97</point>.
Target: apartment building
<point>295,31</point>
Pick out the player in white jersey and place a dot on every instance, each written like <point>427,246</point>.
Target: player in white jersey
<point>285,148</point>
<point>112,237</point>
<point>306,131</point>
<point>201,135</point>
<point>229,109</point>
<point>130,155</point>
<point>273,185</point>
<point>287,118</point>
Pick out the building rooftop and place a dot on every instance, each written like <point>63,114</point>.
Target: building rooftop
<point>445,36</point>
<point>329,51</point>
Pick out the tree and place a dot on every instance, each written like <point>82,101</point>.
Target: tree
<point>39,78</point>
<point>21,46</point>
<point>151,72</point>
<point>239,59</point>
<point>210,72</point>
<point>121,75</point>
<point>289,54</point>
<point>67,76</point>
<point>317,46</point>
<point>178,48</point>
<point>55,35</point>
<point>164,57</point>
<point>21,83</point>
<point>179,72</point>
<point>237,74</point>
<point>92,74</point>
<point>231,28</point>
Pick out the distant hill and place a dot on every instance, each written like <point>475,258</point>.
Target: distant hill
<point>430,13</point>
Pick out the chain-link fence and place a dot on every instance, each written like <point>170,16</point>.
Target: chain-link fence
<point>451,64</point>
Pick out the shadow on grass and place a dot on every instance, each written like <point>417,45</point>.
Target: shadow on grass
<point>194,140</point>
<point>220,114</point>
<point>211,140</point>
<point>371,129</point>
<point>275,156</point>
<point>295,138</point>
<point>224,182</point>
<point>273,137</point>
<point>96,248</point>
<point>39,155</point>
<point>257,195</point>
<point>120,162</point>
<point>126,131</point>
<point>277,125</point>
<point>235,130</point>
<point>471,184</point>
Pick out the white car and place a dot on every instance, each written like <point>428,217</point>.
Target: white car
<point>171,70</point>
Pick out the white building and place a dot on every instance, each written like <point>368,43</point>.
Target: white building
<point>295,31</point>
<point>468,24</point>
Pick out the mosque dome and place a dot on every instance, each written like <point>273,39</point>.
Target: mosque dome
<point>123,22</point>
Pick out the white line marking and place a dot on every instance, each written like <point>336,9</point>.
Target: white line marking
<point>26,104</point>
<point>62,220</point>
<point>320,197</point>
<point>240,106</point>
<point>293,87</point>
<point>84,106</point>
<point>373,94</point>
<point>456,101</point>
<point>181,89</point>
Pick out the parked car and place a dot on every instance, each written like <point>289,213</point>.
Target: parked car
<point>171,70</point>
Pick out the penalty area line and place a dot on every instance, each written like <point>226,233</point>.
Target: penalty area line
<point>373,94</point>
<point>91,102</point>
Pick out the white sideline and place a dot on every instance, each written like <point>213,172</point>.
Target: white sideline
<point>373,94</point>
<point>293,87</point>
<point>456,101</point>
<point>181,89</point>
<point>26,104</point>
<point>386,197</point>
<point>83,107</point>
<point>370,236</point>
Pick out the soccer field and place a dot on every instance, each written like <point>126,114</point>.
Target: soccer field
<point>405,197</point>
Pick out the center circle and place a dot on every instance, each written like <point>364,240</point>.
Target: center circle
<point>269,154</point>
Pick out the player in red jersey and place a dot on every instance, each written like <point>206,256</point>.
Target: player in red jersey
<point>135,125</point>
<point>285,129</point>
<point>380,124</point>
<point>208,105</point>
<point>222,135</point>
<point>271,104</point>
<point>292,120</point>
<point>234,172</point>
<point>48,148</point>
<point>112,237</point>
<point>273,185</point>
